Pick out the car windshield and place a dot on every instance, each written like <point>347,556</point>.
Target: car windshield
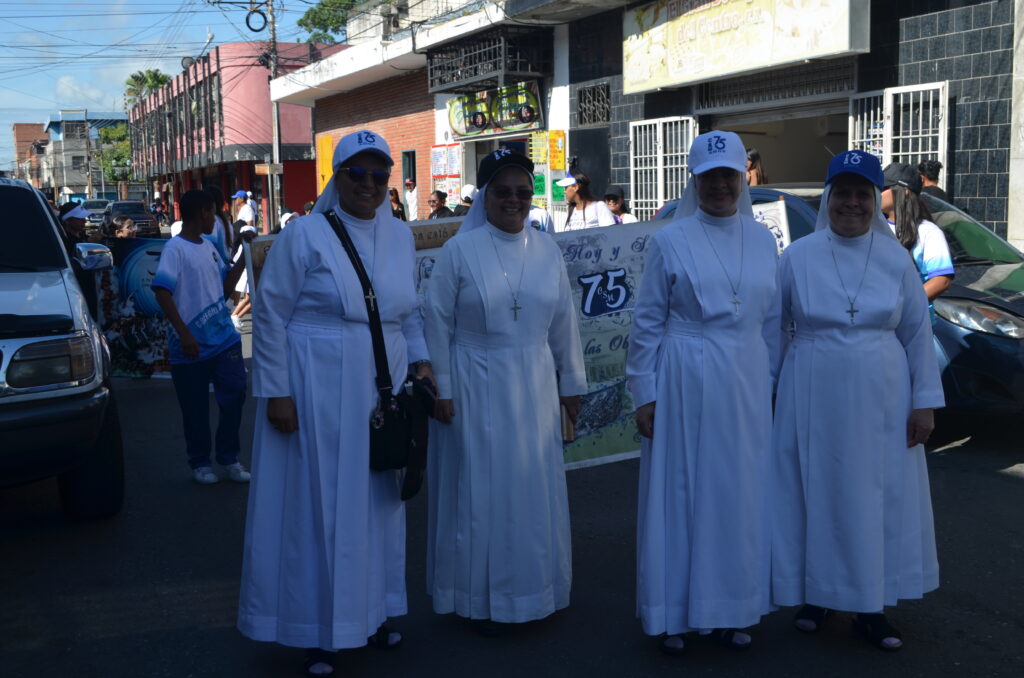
<point>130,209</point>
<point>969,241</point>
<point>31,242</point>
<point>94,204</point>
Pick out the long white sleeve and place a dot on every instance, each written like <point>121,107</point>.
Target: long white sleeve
<point>280,284</point>
<point>650,316</point>
<point>412,324</point>
<point>564,341</point>
<point>915,333</point>
<point>439,316</point>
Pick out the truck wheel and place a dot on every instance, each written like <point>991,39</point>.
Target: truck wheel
<point>96,488</point>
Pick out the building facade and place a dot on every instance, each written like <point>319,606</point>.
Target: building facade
<point>212,125</point>
<point>70,166</point>
<point>30,140</point>
<point>618,92</point>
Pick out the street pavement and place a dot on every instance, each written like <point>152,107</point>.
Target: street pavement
<point>154,592</point>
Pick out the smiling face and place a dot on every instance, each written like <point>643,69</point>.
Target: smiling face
<point>361,199</point>
<point>718,190</point>
<point>509,195</point>
<point>851,205</point>
<point>614,204</point>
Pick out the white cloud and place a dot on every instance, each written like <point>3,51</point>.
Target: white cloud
<point>72,92</point>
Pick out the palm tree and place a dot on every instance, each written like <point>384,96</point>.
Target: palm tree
<point>141,84</point>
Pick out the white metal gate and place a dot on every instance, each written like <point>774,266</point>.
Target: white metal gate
<point>658,162</point>
<point>902,124</point>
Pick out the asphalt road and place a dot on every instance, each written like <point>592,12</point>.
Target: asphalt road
<point>154,591</point>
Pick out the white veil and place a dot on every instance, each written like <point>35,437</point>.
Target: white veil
<point>477,215</point>
<point>878,222</point>
<point>343,150</point>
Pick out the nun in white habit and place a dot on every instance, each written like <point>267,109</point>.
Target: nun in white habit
<point>500,323</point>
<point>853,524</point>
<point>701,349</point>
<point>324,559</point>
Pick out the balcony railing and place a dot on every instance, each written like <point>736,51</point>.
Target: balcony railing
<point>489,60</point>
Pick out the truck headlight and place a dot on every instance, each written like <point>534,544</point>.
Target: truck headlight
<point>980,317</point>
<point>52,362</point>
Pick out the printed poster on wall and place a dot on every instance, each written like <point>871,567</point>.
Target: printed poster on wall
<point>515,108</point>
<point>670,43</point>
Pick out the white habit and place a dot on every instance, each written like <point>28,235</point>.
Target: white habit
<point>853,516</point>
<point>498,544</point>
<point>703,535</point>
<point>324,560</point>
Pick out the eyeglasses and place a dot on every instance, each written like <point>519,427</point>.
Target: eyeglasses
<point>358,175</point>
<point>504,193</point>
<point>431,202</point>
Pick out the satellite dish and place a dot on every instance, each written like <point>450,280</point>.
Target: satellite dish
<point>186,62</point>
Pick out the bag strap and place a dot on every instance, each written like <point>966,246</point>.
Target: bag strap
<point>380,354</point>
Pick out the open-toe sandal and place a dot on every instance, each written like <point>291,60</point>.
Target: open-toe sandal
<point>315,657</point>
<point>727,638</point>
<point>876,630</point>
<point>667,644</point>
<point>386,638</point>
<point>810,614</point>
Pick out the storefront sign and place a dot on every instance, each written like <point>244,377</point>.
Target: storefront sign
<point>679,42</point>
<point>556,150</point>
<point>515,108</point>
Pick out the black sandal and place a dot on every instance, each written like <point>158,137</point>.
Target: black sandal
<point>671,650</point>
<point>727,638</point>
<point>876,629</point>
<point>811,613</point>
<point>381,640</point>
<point>314,656</point>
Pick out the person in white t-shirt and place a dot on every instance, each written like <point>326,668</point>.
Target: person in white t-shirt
<point>191,283</point>
<point>615,199</point>
<point>540,219</point>
<point>585,210</point>
<point>254,206</point>
<point>411,200</point>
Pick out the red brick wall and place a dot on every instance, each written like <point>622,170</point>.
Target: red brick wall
<point>399,109</point>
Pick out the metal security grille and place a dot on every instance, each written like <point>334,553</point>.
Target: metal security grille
<point>902,124</point>
<point>593,105</point>
<point>659,162</point>
<point>825,79</point>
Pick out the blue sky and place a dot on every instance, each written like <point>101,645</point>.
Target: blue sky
<point>78,53</point>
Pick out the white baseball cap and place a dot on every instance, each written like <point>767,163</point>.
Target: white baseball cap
<point>566,182</point>
<point>468,192</point>
<point>359,142</point>
<point>717,149</point>
<point>78,213</point>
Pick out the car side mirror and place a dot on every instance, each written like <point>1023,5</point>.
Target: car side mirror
<point>93,257</point>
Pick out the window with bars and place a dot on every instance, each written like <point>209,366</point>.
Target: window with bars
<point>73,130</point>
<point>78,163</point>
<point>816,80</point>
<point>593,105</point>
<point>659,154</point>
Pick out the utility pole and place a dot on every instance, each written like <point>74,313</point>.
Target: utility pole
<point>275,124</point>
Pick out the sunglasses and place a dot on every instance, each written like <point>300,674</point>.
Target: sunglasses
<point>358,175</point>
<point>504,193</point>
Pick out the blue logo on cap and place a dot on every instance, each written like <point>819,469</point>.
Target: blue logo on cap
<point>366,139</point>
<point>716,144</point>
<point>501,153</point>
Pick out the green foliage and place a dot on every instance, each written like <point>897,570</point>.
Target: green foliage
<point>327,20</point>
<point>141,84</point>
<point>116,156</point>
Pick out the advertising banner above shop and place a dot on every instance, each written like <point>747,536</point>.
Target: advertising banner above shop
<point>515,108</point>
<point>670,43</point>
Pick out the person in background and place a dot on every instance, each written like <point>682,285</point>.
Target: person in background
<point>191,283</point>
<point>615,199</point>
<point>73,220</point>
<point>851,517</point>
<point>436,202</point>
<point>756,174</point>
<point>411,196</point>
<point>244,216</point>
<point>307,208</point>
<point>702,347</point>
<point>467,194</point>
<point>324,560</point>
<point>242,295</point>
<point>585,210</point>
<point>910,220</point>
<point>397,208</point>
<point>540,219</point>
<point>221,236</point>
<point>124,227</point>
<point>286,216</point>
<point>254,206</point>
<point>929,171</point>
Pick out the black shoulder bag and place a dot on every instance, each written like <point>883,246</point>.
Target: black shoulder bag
<point>398,424</point>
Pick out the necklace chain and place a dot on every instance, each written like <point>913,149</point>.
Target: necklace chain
<point>739,283</point>
<point>851,311</point>
<point>515,293</point>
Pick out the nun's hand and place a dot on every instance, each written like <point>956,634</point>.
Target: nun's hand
<point>444,410</point>
<point>282,415</point>
<point>920,425</point>
<point>645,419</point>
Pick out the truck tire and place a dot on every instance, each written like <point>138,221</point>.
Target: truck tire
<point>96,488</point>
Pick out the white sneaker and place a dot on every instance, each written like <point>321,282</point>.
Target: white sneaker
<point>237,473</point>
<point>204,475</point>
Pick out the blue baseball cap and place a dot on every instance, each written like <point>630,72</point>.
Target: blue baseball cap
<point>240,194</point>
<point>856,162</point>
